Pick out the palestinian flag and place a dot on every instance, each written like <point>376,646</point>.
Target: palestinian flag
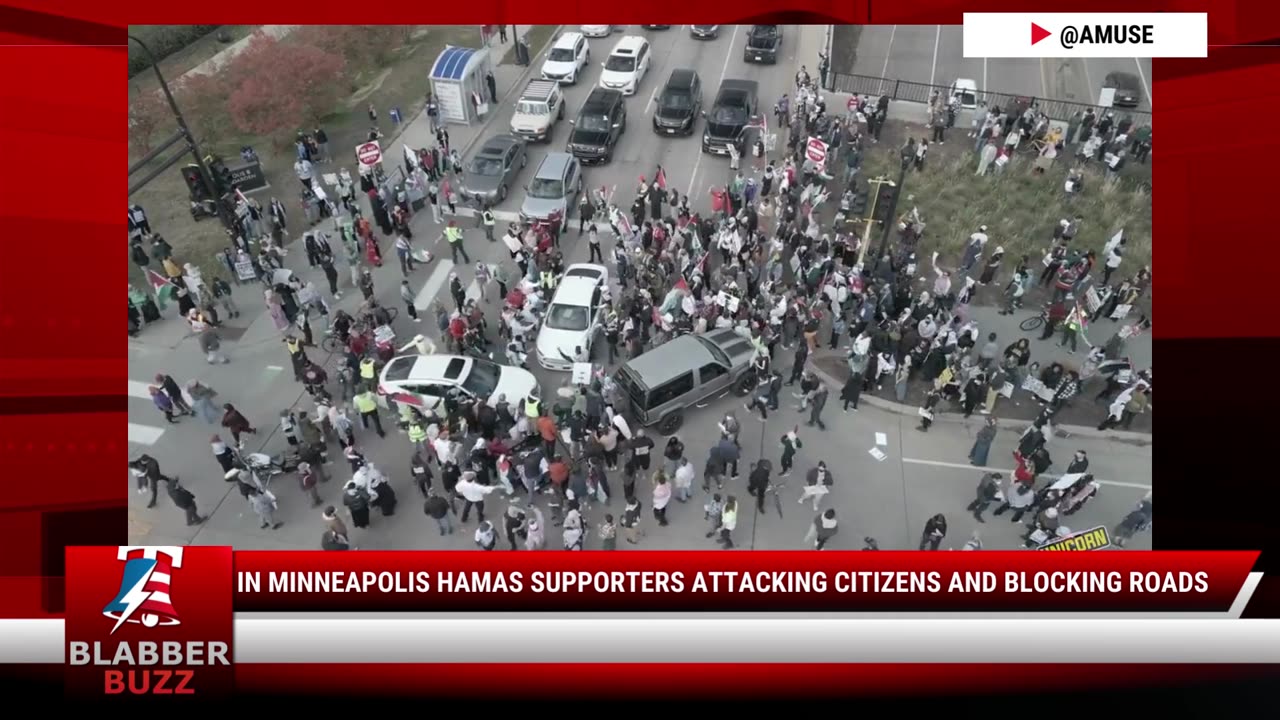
<point>161,286</point>
<point>661,178</point>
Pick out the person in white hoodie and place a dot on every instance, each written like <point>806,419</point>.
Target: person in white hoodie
<point>822,529</point>
<point>684,476</point>
<point>473,493</point>
<point>486,537</point>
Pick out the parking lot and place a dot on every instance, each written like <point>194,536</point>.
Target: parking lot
<point>934,54</point>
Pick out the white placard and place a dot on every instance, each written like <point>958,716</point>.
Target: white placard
<point>876,453</point>
<point>882,439</point>
<point>582,373</point>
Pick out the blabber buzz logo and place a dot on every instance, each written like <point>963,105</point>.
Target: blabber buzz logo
<point>141,644</point>
<point>144,588</point>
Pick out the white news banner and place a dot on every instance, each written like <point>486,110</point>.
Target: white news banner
<point>1086,35</point>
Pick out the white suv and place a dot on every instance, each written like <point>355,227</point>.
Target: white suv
<point>566,58</point>
<point>627,65</point>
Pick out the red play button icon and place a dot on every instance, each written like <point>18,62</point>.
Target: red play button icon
<point>1038,33</point>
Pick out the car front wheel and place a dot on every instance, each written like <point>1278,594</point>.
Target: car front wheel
<point>670,424</point>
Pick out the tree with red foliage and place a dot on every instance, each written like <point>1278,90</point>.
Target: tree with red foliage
<point>364,47</point>
<point>203,99</point>
<point>279,86</point>
<point>148,112</point>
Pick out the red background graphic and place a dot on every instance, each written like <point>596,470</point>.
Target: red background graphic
<point>1226,573</point>
<point>62,415</point>
<point>201,592</point>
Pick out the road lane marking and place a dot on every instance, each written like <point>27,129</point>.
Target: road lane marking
<point>437,280</point>
<point>966,466</point>
<point>1143,77</point>
<point>144,434</point>
<point>139,390</point>
<point>937,37</point>
<point>652,96</point>
<point>724,70</point>
<point>888,53</point>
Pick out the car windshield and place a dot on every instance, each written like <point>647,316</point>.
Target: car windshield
<point>715,351</point>
<point>483,378</point>
<point>561,55</point>
<point>527,107</point>
<point>594,123</point>
<point>730,115</point>
<point>620,63</point>
<point>488,166</point>
<point>567,317</point>
<point>546,188</point>
<point>677,100</point>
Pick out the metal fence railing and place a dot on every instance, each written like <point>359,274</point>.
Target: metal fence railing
<point>909,91</point>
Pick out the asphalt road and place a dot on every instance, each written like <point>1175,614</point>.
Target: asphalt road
<point>889,500</point>
<point>934,54</point>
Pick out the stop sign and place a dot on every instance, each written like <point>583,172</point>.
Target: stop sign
<point>369,153</point>
<point>816,151</point>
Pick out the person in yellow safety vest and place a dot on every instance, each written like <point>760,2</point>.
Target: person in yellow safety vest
<point>548,280</point>
<point>367,405</point>
<point>418,435</point>
<point>407,414</point>
<point>453,234</point>
<point>369,372</point>
<point>297,356</point>
<point>1072,329</point>
<point>489,221</point>
<point>531,408</point>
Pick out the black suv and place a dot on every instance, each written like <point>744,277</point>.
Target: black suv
<point>600,122</point>
<point>735,108</point>
<point>763,43</point>
<point>678,106</point>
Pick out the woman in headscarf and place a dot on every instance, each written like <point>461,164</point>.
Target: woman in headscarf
<point>357,502</point>
<point>276,309</point>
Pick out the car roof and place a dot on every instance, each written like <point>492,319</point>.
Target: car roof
<point>568,40</point>
<point>763,28</point>
<point>553,164</point>
<point>578,284</point>
<point>628,45</point>
<point>748,86</point>
<point>1128,80</point>
<point>670,360</point>
<point>539,90</point>
<point>498,145</point>
<point>602,98</point>
<point>682,78</point>
<point>965,84</point>
<point>428,368</point>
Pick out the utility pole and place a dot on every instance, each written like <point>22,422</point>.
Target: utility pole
<point>870,221</point>
<point>184,135</point>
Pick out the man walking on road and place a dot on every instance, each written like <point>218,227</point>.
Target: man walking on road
<point>988,488</point>
<point>367,405</point>
<point>453,234</point>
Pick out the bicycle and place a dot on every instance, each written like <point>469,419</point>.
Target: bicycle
<point>1036,321</point>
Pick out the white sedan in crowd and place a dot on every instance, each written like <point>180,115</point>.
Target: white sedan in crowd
<point>423,381</point>
<point>573,318</point>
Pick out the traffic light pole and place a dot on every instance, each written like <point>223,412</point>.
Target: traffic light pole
<point>871,215</point>
<point>184,131</point>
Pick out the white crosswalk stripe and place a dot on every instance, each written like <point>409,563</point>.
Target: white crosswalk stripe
<point>142,434</point>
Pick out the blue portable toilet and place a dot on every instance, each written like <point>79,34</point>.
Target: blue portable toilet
<point>457,78</point>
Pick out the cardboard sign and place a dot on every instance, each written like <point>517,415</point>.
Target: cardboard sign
<point>245,271</point>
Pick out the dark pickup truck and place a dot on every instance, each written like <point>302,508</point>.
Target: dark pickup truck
<point>735,108</point>
<point>763,44</point>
